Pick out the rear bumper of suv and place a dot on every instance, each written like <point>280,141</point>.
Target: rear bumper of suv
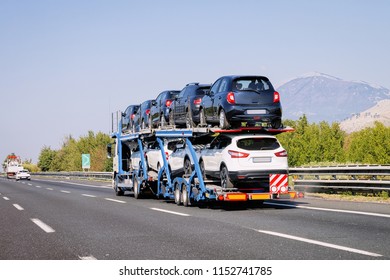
<point>238,114</point>
<point>250,175</point>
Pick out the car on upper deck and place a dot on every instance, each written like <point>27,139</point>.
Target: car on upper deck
<point>159,112</point>
<point>184,110</point>
<point>237,101</point>
<point>128,117</point>
<point>142,117</point>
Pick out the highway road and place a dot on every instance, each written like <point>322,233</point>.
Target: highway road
<point>45,219</point>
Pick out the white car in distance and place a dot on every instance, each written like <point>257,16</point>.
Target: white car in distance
<point>23,174</point>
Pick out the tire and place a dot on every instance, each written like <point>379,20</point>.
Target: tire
<point>136,188</point>
<point>202,118</point>
<point>118,191</point>
<point>185,197</point>
<point>223,123</point>
<point>162,121</point>
<point>225,181</point>
<point>189,122</point>
<point>187,167</point>
<point>178,194</point>
<point>202,170</point>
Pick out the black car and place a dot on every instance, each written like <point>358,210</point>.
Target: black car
<point>128,117</point>
<point>236,101</point>
<point>184,110</point>
<point>159,112</point>
<point>142,117</point>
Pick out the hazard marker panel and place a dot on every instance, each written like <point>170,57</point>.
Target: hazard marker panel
<point>278,183</point>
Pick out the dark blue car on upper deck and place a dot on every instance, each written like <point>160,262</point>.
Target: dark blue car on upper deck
<point>236,101</point>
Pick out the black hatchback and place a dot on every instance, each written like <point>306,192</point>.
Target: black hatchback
<point>242,101</point>
<point>159,112</point>
<point>142,117</point>
<point>128,117</point>
<point>184,111</point>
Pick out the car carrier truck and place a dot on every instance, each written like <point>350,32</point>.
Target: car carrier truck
<point>184,190</point>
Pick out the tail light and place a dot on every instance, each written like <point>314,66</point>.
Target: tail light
<point>168,103</point>
<point>235,154</point>
<point>147,111</point>
<point>132,116</point>
<point>276,97</point>
<point>167,155</point>
<point>197,101</point>
<point>281,153</point>
<point>231,99</point>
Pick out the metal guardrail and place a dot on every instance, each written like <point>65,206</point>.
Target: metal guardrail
<point>363,178</point>
<point>356,178</point>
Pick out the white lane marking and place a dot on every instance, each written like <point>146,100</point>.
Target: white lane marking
<point>320,243</point>
<point>50,189</point>
<point>78,184</point>
<point>88,195</point>
<point>87,258</point>
<point>5,198</point>
<point>43,226</point>
<point>170,212</point>
<point>330,210</point>
<point>114,200</point>
<point>17,206</point>
<point>29,184</point>
<point>38,187</point>
<point>65,191</point>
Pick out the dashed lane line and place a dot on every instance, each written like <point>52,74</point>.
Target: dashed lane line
<point>115,200</point>
<point>87,258</point>
<point>170,212</point>
<point>50,189</point>
<point>88,195</point>
<point>65,191</point>
<point>5,198</point>
<point>17,206</point>
<point>43,226</point>
<point>320,243</point>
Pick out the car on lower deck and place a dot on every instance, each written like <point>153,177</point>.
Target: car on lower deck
<point>237,101</point>
<point>243,161</point>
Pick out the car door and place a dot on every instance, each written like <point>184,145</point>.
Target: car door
<point>212,156</point>
<point>208,102</point>
<point>219,95</point>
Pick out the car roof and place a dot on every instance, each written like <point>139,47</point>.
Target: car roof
<point>243,136</point>
<point>234,77</point>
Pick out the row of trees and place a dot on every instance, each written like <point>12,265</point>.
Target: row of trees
<point>310,143</point>
<point>316,143</point>
<point>68,157</point>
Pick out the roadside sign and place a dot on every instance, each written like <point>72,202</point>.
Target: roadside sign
<point>86,161</point>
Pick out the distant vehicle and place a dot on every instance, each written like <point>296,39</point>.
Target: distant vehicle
<point>12,166</point>
<point>236,101</point>
<point>159,112</point>
<point>23,174</point>
<point>184,111</point>
<point>128,117</point>
<point>142,117</point>
<point>243,160</point>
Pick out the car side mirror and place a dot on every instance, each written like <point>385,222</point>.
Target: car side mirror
<point>154,103</point>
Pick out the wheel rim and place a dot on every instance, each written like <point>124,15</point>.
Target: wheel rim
<point>177,195</point>
<point>135,186</point>
<point>184,197</point>
<point>202,170</point>
<point>224,178</point>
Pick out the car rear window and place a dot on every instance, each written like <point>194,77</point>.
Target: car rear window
<point>253,144</point>
<point>253,83</point>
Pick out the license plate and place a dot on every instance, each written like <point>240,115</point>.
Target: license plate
<point>261,159</point>
<point>256,112</point>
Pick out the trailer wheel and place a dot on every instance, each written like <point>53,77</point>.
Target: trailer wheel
<point>185,196</point>
<point>136,189</point>
<point>178,194</point>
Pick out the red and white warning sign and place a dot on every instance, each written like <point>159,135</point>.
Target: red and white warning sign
<point>278,183</point>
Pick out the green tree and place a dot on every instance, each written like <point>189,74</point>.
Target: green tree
<point>46,158</point>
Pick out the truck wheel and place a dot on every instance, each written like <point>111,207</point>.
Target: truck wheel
<point>177,194</point>
<point>185,196</point>
<point>118,191</point>
<point>136,189</point>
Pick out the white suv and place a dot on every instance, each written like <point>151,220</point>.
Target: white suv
<point>244,161</point>
<point>154,156</point>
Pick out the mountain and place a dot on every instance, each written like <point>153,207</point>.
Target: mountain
<point>322,97</point>
<point>380,112</point>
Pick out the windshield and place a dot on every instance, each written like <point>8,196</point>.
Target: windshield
<point>252,83</point>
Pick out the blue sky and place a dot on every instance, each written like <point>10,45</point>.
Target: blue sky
<point>66,65</point>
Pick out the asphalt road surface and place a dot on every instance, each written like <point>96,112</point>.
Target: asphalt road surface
<point>45,219</point>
